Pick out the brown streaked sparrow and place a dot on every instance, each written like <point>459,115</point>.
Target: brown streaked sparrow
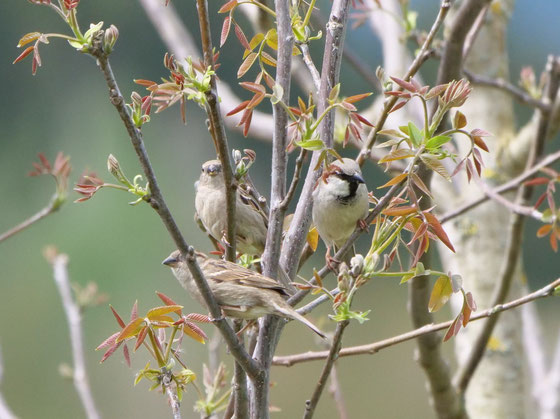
<point>210,204</point>
<point>340,202</point>
<point>240,292</point>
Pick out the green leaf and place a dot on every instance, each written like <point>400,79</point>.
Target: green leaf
<point>437,141</point>
<point>333,95</point>
<point>277,94</point>
<point>416,135</point>
<point>440,293</point>
<point>312,145</point>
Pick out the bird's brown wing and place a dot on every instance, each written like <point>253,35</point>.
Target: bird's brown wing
<point>228,271</point>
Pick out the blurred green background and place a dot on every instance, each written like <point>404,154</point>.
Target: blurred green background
<point>65,108</point>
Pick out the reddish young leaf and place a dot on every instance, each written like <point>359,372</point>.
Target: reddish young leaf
<point>400,211</point>
<point>228,6</point>
<point>438,230</point>
<point>140,338</point>
<point>253,87</point>
<point>109,341</point>
<point>544,230</point>
<point>238,108</point>
<point>398,106</point>
<point>241,36</point>
<point>247,123</point>
<point>126,355</point>
<point>24,54</point>
<point>134,311</point>
<point>357,98</point>
<point>119,320</point>
<point>201,318</point>
<point>225,30</point>
<point>405,85</point>
<point>195,332</point>
<point>480,143</point>
<point>453,329</point>
<point>554,242</point>
<point>247,64</point>
<point>110,352</point>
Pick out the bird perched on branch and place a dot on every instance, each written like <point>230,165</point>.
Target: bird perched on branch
<point>210,204</point>
<point>340,202</point>
<point>240,292</point>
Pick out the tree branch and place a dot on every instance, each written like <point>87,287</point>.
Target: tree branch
<point>311,404</point>
<point>508,186</point>
<point>49,209</point>
<point>373,348</point>
<point>501,84</point>
<point>59,264</point>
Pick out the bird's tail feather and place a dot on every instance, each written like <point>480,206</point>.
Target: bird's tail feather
<point>292,314</point>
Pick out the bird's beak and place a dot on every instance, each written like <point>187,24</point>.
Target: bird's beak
<point>358,178</point>
<point>171,262</point>
<point>213,170</point>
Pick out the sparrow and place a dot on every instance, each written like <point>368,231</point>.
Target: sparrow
<point>340,202</point>
<point>240,292</point>
<point>210,204</point>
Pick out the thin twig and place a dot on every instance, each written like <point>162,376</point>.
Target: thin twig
<point>315,75</point>
<point>217,129</point>
<point>508,186</point>
<point>513,246</point>
<point>59,263</point>
<point>5,411</point>
<point>414,67</point>
<point>311,404</point>
<point>501,84</point>
<point>373,348</point>
<point>473,33</point>
<point>158,204</point>
<point>295,178</point>
<point>49,209</point>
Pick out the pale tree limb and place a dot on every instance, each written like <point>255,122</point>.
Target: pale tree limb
<point>552,406</point>
<point>375,347</point>
<point>513,246</point>
<point>5,411</point>
<point>59,264</point>
<point>271,326</point>
<point>157,202</point>
<point>311,404</point>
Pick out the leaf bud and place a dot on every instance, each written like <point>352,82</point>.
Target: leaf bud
<point>110,38</point>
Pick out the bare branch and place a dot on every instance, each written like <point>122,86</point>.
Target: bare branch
<point>171,391</point>
<point>315,75</point>
<point>59,263</point>
<point>508,186</point>
<point>49,209</point>
<point>336,392</point>
<point>373,348</point>
<point>295,178</point>
<point>310,405</point>
<point>515,92</point>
